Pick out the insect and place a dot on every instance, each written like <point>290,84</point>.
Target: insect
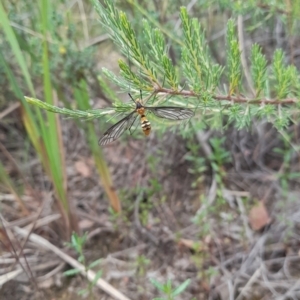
<point>167,112</point>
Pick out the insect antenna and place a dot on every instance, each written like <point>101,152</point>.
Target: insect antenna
<point>131,98</point>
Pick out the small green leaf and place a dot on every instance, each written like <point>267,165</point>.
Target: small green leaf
<point>95,263</point>
<point>81,258</point>
<point>158,285</point>
<point>83,292</point>
<point>295,175</point>
<point>71,272</point>
<point>181,288</point>
<point>98,275</point>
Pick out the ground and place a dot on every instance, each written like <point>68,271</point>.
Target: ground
<point>168,230</point>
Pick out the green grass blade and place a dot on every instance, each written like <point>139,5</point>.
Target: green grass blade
<point>27,115</point>
<point>51,132</point>
<point>82,98</point>
<point>11,38</point>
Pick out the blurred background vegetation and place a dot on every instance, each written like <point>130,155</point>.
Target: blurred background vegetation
<point>209,209</point>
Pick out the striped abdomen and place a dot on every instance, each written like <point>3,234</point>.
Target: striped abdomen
<point>146,126</point>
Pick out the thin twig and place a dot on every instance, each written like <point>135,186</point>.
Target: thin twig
<point>253,278</point>
<point>90,275</point>
<point>9,109</point>
<point>9,276</point>
<point>233,99</point>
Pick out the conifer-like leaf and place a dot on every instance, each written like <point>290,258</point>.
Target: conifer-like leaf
<point>258,70</point>
<point>233,60</point>
<point>282,75</point>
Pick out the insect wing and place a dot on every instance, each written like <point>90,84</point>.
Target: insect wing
<point>116,130</point>
<point>171,112</point>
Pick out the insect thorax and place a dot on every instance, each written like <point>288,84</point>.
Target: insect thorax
<point>140,110</point>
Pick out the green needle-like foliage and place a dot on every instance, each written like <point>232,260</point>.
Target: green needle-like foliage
<point>84,114</point>
<point>194,81</point>
<point>125,38</point>
<point>233,60</point>
<point>282,75</point>
<point>157,50</point>
<point>258,70</point>
<point>197,66</point>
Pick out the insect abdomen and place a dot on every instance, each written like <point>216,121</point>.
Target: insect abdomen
<point>146,126</point>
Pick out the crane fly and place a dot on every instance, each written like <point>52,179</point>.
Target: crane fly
<point>168,112</point>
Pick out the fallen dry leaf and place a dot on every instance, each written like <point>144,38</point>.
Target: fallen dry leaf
<point>46,284</point>
<point>259,217</point>
<point>82,168</point>
<point>85,224</point>
<point>192,244</point>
